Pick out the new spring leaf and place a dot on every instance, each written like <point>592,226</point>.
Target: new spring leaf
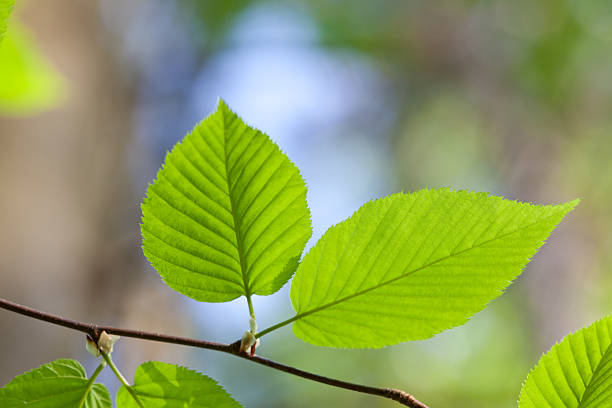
<point>170,386</point>
<point>408,266</point>
<point>227,214</point>
<point>59,384</point>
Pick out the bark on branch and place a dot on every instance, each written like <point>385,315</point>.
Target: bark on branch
<point>94,331</point>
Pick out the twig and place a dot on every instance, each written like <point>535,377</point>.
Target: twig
<point>94,331</point>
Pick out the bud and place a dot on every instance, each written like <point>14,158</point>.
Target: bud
<point>106,342</point>
<point>248,340</point>
<point>254,347</point>
<point>91,347</point>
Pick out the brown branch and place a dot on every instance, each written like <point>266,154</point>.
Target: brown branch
<point>94,331</point>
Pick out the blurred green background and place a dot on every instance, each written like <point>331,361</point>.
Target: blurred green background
<point>367,98</point>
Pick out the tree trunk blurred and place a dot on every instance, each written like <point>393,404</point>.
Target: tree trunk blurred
<point>68,214</point>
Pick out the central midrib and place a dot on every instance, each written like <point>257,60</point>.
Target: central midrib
<point>239,244</point>
<point>335,302</point>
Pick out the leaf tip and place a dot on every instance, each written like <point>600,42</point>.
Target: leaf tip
<point>221,104</point>
<point>224,108</point>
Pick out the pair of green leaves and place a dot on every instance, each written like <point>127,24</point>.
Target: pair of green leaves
<point>227,217</point>
<point>63,384</point>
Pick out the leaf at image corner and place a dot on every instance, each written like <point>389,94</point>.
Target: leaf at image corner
<point>226,215</point>
<point>165,385</point>
<point>6,6</point>
<point>577,372</point>
<point>29,84</point>
<point>408,266</point>
<point>58,384</point>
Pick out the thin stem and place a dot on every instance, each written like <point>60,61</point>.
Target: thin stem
<point>277,326</point>
<point>251,310</point>
<point>120,376</point>
<point>94,331</point>
<point>90,384</point>
<point>113,367</point>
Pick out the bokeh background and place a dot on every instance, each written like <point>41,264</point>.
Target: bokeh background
<point>367,98</point>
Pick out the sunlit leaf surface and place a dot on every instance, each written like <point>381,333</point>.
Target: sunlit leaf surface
<point>59,384</point>
<point>158,385</point>
<point>408,266</point>
<point>227,214</point>
<point>577,372</point>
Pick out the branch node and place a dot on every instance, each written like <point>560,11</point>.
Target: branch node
<point>234,347</point>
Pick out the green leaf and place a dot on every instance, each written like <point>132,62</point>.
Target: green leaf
<point>408,266</point>
<point>227,214</point>
<point>58,384</point>
<point>577,372</point>
<point>6,6</point>
<point>28,82</point>
<point>170,386</point>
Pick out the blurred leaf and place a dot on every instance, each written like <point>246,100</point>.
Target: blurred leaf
<point>215,21</point>
<point>445,142</point>
<point>408,266</point>
<point>544,69</point>
<point>59,384</point>
<point>227,214</point>
<point>6,6</point>
<point>594,16</point>
<point>372,27</point>
<point>170,386</point>
<point>577,372</point>
<point>28,83</point>
<point>218,15</point>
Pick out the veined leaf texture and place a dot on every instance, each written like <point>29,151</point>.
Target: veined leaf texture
<point>162,385</point>
<point>58,384</point>
<point>576,373</point>
<point>227,216</point>
<point>227,213</point>
<point>408,266</point>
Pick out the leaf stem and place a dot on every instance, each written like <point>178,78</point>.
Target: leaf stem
<point>251,311</point>
<point>90,384</point>
<point>94,332</point>
<point>121,378</point>
<point>277,326</point>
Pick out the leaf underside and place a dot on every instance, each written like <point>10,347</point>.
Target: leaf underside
<point>227,213</point>
<point>59,384</point>
<point>577,372</point>
<point>170,386</point>
<point>408,266</point>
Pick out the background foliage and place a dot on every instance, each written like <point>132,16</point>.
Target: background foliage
<point>508,97</point>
